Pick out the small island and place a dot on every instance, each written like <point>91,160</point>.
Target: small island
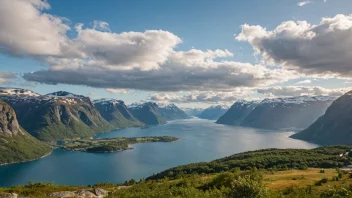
<point>110,144</point>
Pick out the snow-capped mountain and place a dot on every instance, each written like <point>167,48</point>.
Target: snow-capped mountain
<point>43,115</point>
<point>287,113</point>
<point>171,112</point>
<point>65,94</point>
<point>334,127</point>
<point>147,113</point>
<point>238,112</point>
<point>214,112</point>
<point>116,113</point>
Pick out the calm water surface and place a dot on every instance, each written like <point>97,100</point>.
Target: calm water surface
<point>201,140</point>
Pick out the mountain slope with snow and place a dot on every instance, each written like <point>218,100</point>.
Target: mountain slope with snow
<point>287,113</point>
<point>213,112</point>
<point>334,127</point>
<point>237,113</point>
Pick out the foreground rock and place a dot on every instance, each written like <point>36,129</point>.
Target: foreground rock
<point>8,195</point>
<point>97,193</point>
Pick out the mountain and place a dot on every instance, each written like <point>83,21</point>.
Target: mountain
<point>16,145</point>
<point>171,112</point>
<point>237,113</point>
<point>287,113</point>
<point>53,117</point>
<point>148,113</point>
<point>213,112</point>
<point>193,112</point>
<point>334,127</point>
<point>116,113</point>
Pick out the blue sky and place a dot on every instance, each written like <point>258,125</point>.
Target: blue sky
<point>201,24</point>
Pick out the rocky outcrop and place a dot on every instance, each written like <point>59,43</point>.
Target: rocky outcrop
<point>8,121</point>
<point>8,195</point>
<point>16,145</point>
<point>84,193</point>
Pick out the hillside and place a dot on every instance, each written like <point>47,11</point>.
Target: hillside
<point>116,113</point>
<point>275,178</point>
<point>148,113</point>
<point>193,112</point>
<point>171,112</point>
<point>51,118</point>
<point>287,113</point>
<point>334,127</point>
<point>237,113</point>
<point>16,145</point>
<point>213,112</point>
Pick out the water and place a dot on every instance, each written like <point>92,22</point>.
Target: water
<point>201,140</point>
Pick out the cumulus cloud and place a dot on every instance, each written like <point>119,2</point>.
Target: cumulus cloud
<point>301,91</point>
<point>203,97</point>
<point>100,58</point>
<point>26,30</point>
<point>303,3</point>
<point>6,77</point>
<point>324,49</point>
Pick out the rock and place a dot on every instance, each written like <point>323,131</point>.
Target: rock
<point>8,195</point>
<point>85,193</point>
<point>62,194</point>
<point>101,192</point>
<point>122,187</point>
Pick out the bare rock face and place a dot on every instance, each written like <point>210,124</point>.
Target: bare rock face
<point>8,195</point>
<point>8,121</point>
<point>63,194</point>
<point>100,192</point>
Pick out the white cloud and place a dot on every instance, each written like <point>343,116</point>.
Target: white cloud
<point>100,58</point>
<point>304,82</point>
<point>301,91</point>
<point>6,77</point>
<point>303,3</point>
<point>26,30</point>
<point>322,50</point>
<point>203,97</point>
<point>117,91</point>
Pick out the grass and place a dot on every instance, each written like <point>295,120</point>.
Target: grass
<point>300,178</point>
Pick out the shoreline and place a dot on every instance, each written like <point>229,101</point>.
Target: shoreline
<point>19,162</point>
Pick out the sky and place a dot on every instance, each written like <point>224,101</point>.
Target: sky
<point>193,53</point>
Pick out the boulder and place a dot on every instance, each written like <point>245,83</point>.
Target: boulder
<point>101,192</point>
<point>8,195</point>
<point>62,194</point>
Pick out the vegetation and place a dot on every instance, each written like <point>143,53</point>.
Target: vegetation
<point>19,148</point>
<point>280,159</point>
<point>110,144</point>
<point>234,183</point>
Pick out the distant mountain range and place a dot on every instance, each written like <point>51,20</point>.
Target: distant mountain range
<point>333,127</point>
<point>287,113</point>
<point>213,112</point>
<point>116,113</point>
<point>16,145</point>
<point>280,113</point>
<point>151,113</point>
<point>59,115</point>
<point>193,112</point>
<point>237,113</point>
